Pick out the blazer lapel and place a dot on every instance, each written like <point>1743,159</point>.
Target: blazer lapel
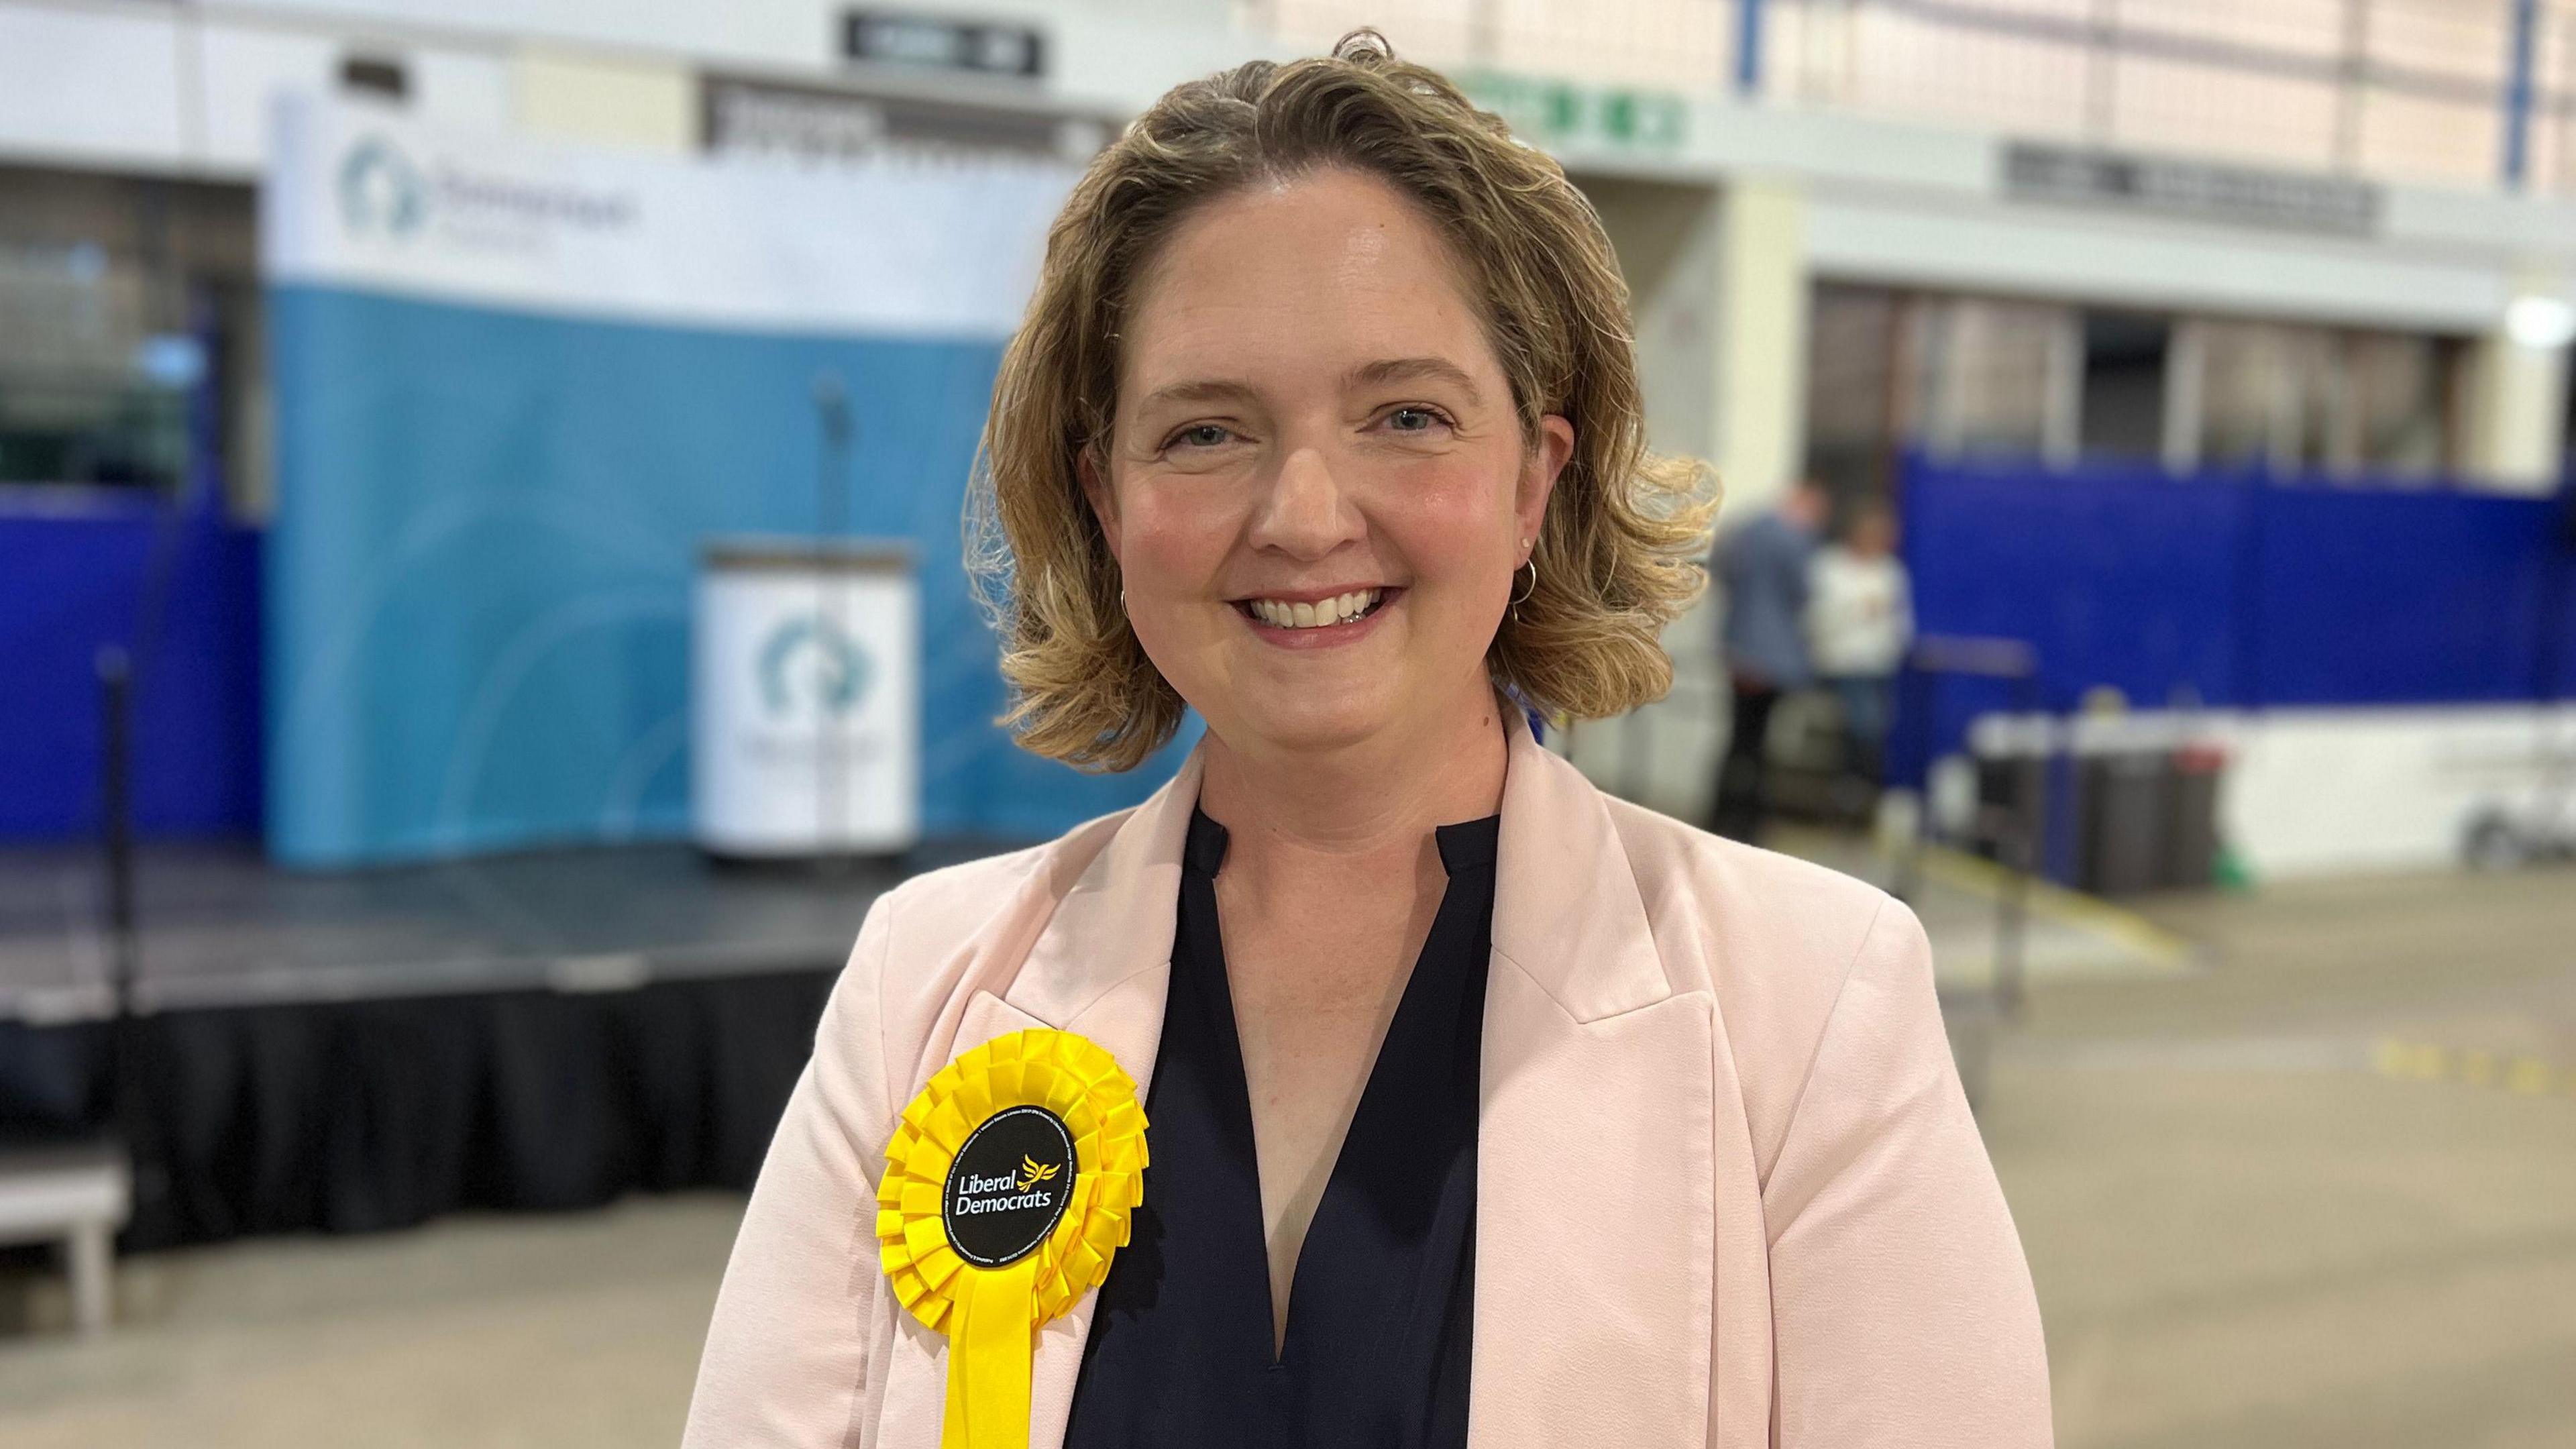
<point>1595,1183</point>
<point>1098,968</point>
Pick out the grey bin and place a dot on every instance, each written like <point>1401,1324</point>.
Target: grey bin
<point>2124,821</point>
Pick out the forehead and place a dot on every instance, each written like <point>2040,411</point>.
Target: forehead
<point>1322,271</point>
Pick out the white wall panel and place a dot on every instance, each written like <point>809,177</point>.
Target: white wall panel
<point>2322,791</point>
<point>460,89</point>
<point>243,68</point>
<point>100,86</point>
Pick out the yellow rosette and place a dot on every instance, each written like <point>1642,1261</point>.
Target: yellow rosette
<point>1009,1185</point>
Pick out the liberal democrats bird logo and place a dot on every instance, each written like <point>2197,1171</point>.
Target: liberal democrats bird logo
<point>1031,1173</point>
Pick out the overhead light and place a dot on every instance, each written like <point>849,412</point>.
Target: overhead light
<point>2540,323</point>
<point>171,360</point>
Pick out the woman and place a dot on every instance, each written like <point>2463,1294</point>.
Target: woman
<point>1484,1108</point>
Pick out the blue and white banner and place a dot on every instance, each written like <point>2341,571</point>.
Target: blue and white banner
<point>518,385</point>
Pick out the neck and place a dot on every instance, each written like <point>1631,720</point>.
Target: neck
<point>1361,807</point>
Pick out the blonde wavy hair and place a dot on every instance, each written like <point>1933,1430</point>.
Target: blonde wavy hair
<point>1618,553</point>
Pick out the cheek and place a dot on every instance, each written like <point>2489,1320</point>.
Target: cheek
<point>1452,519</point>
<point>1175,537</point>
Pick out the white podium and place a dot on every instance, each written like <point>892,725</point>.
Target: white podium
<point>805,699</point>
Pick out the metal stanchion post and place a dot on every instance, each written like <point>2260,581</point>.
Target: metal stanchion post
<point>129,1110</point>
<point>116,834</point>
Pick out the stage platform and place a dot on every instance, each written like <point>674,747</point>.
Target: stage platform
<point>364,1050</point>
<point>220,927</point>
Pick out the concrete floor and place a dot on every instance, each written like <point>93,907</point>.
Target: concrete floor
<point>2318,1190</point>
<point>550,1333</point>
<point>2322,1192</point>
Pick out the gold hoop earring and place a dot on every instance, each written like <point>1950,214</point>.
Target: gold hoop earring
<point>1532,563</point>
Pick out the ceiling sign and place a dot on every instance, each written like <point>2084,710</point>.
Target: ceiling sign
<point>2189,190</point>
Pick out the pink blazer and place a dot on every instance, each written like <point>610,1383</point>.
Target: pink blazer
<point>1728,1190</point>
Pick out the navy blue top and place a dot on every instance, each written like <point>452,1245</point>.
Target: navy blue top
<point>1381,1314</point>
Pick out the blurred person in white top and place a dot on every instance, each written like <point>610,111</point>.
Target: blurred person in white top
<point>1860,620</point>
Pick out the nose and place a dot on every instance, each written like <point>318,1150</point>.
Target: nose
<point>1305,513</point>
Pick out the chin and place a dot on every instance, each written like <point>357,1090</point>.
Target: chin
<point>1307,720</point>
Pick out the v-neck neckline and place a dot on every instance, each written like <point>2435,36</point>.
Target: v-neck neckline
<point>1464,847</point>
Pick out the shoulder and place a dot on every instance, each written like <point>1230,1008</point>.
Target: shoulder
<point>957,903</point>
<point>1777,942</point>
<point>931,938</point>
<point>1761,916</point>
<point>956,900</point>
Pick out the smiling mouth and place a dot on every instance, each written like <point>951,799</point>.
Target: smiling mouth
<point>1320,614</point>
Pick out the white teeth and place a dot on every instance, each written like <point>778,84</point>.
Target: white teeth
<point>1283,615</point>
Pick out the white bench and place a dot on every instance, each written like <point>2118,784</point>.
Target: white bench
<point>77,1195</point>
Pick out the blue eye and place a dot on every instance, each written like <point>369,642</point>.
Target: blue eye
<point>1413,420</point>
<point>1205,435</point>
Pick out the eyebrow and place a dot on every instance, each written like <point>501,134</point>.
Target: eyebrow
<point>1415,369</point>
<point>1367,374</point>
<point>1202,391</point>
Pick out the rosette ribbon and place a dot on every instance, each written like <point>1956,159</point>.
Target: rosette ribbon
<point>991,1314</point>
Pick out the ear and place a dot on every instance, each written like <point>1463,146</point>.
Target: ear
<point>1540,465</point>
<point>1103,499</point>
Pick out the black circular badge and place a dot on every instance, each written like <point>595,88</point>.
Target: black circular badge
<point>1009,1185</point>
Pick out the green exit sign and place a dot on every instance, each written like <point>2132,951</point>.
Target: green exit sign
<point>1556,113</point>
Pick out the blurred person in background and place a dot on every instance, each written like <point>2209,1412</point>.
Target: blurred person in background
<point>1474,1095</point>
<point>1860,621</point>
<point>1761,567</point>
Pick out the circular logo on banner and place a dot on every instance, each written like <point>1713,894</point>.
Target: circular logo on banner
<point>1009,1186</point>
<point>380,190</point>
